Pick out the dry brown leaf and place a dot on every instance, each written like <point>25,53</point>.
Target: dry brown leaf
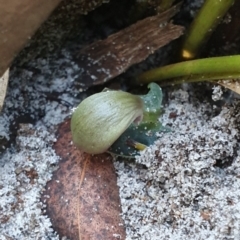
<point>106,59</point>
<point>3,87</point>
<point>233,85</point>
<point>19,20</point>
<point>84,199</point>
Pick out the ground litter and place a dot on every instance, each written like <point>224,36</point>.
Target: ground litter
<point>184,186</point>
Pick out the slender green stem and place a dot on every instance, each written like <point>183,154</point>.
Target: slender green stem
<point>203,25</point>
<point>215,68</point>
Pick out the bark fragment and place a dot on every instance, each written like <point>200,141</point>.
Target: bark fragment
<point>106,59</point>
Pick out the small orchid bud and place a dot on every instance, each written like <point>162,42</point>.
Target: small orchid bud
<point>100,119</point>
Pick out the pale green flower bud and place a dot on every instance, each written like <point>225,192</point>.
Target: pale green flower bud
<point>100,119</point>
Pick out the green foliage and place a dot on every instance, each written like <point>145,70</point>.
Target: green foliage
<point>137,138</point>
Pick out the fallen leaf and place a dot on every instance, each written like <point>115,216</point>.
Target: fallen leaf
<point>233,85</point>
<point>19,21</point>
<point>82,199</point>
<point>106,59</point>
<point>3,87</point>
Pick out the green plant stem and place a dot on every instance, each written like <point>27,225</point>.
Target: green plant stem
<point>203,25</point>
<point>198,70</point>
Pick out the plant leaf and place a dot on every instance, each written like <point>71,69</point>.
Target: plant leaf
<point>136,138</point>
<point>152,103</point>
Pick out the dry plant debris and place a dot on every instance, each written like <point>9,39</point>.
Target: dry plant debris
<point>159,194</point>
<point>82,198</point>
<point>3,87</point>
<point>22,19</point>
<point>233,85</point>
<point>19,21</point>
<point>106,59</point>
